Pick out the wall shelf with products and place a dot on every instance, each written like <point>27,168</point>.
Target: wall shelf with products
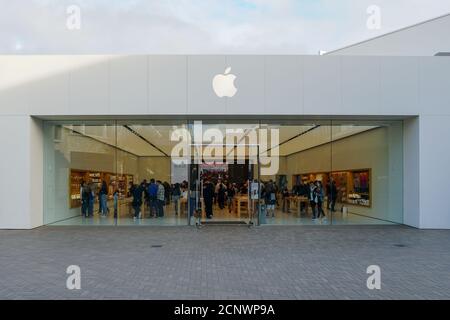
<point>121,182</point>
<point>353,185</point>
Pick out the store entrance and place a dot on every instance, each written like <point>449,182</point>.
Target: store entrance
<point>222,193</point>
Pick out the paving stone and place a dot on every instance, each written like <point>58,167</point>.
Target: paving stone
<point>225,262</point>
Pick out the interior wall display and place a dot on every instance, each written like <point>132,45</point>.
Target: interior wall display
<point>323,177</point>
<point>113,181</point>
<point>360,187</point>
<point>353,186</point>
<point>76,177</point>
<point>341,179</point>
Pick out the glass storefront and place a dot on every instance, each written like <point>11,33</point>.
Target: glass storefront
<point>180,172</point>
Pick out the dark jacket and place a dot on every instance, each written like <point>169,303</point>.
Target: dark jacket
<point>137,196</point>
<point>208,191</point>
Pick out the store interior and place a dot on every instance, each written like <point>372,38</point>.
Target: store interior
<point>363,159</point>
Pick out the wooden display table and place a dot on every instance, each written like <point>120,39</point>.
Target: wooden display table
<point>182,205</point>
<point>297,201</point>
<point>238,202</point>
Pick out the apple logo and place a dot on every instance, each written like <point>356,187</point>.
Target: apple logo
<point>223,84</point>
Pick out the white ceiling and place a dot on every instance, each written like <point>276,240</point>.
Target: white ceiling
<point>154,140</point>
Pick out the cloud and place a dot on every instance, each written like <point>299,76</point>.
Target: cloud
<point>201,26</point>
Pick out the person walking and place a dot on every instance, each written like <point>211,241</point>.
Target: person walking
<point>318,193</point>
<point>312,199</point>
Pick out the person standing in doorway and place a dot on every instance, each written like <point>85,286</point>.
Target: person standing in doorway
<point>208,198</point>
<point>221,194</point>
<point>231,191</point>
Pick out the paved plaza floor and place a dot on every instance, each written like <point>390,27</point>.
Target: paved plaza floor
<point>225,262</point>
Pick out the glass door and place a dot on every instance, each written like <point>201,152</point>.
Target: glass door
<point>223,169</point>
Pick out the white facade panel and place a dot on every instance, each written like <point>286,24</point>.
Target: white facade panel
<point>434,89</point>
<point>411,168</point>
<point>284,85</point>
<point>322,92</point>
<point>399,81</point>
<point>14,85</point>
<point>434,172</point>
<point>201,98</point>
<point>249,72</point>
<point>89,89</point>
<point>128,85</point>
<point>16,193</point>
<point>167,84</point>
<point>360,85</point>
<point>50,95</point>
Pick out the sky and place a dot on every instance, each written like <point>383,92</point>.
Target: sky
<point>200,26</point>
